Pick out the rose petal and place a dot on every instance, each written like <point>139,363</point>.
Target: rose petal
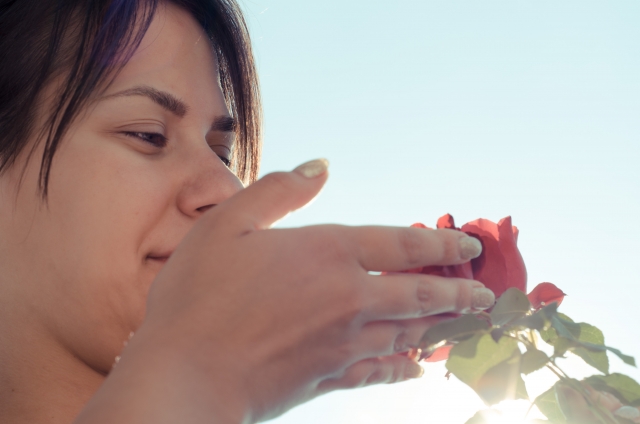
<point>489,268</point>
<point>446,221</point>
<point>500,266</point>
<point>516,271</point>
<point>440,354</point>
<point>420,225</point>
<point>544,294</point>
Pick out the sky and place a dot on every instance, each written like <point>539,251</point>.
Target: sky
<point>481,109</point>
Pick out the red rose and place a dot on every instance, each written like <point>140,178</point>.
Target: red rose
<point>499,266</point>
<point>545,293</point>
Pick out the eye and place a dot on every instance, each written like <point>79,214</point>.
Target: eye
<point>226,161</point>
<point>155,139</point>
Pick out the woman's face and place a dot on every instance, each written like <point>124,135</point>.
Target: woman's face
<point>78,272</point>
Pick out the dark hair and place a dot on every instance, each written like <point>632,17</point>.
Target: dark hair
<point>89,41</point>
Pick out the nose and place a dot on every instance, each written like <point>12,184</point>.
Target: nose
<point>207,183</point>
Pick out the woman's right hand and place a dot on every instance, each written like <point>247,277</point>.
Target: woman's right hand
<point>246,322</point>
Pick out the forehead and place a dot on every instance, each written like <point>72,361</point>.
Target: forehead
<point>175,53</point>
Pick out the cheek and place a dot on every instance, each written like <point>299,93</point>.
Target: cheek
<point>102,205</point>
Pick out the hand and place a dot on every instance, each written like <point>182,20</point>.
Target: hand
<point>596,408</point>
<point>269,318</point>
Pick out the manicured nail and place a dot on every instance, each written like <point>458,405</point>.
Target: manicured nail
<point>470,247</point>
<point>402,342</point>
<point>313,168</point>
<point>413,370</point>
<point>483,298</point>
<point>628,412</point>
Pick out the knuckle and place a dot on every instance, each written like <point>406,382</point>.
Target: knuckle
<point>425,296</point>
<point>411,246</point>
<point>463,295</point>
<point>353,303</point>
<point>345,353</point>
<point>394,374</point>
<point>401,342</point>
<point>279,181</point>
<point>333,245</point>
<point>375,377</point>
<point>373,373</point>
<point>358,376</point>
<point>450,246</point>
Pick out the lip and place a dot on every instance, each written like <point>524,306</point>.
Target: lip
<point>160,256</point>
<point>162,259</point>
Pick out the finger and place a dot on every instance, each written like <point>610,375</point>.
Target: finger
<point>387,369</point>
<point>398,248</point>
<point>402,296</point>
<point>574,406</point>
<point>272,197</point>
<point>384,338</point>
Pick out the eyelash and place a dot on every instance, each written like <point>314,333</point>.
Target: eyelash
<point>163,142</point>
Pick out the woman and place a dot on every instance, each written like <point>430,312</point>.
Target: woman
<point>126,296</point>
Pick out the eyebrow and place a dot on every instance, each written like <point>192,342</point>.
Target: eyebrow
<point>173,104</point>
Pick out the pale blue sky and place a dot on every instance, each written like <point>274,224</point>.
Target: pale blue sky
<point>479,109</point>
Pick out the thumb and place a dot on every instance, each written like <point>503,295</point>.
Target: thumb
<point>273,197</point>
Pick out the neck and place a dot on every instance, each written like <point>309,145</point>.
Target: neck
<point>40,381</point>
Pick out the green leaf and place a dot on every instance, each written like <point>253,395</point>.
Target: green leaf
<point>539,320</point>
<point>502,382</point>
<point>590,334</point>
<point>629,360</point>
<point>488,354</point>
<point>547,403</point>
<point>566,329</point>
<point>532,360</point>
<point>497,333</point>
<point>521,389</point>
<point>597,359</point>
<point>485,416</point>
<point>592,354</point>
<point>620,385</point>
<point>549,335</point>
<point>584,340</point>
<point>466,325</point>
<point>468,348</point>
<point>536,321</point>
<point>564,317</point>
<point>513,304</point>
<point>561,345</point>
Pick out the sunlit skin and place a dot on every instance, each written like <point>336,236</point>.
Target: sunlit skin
<point>114,200</point>
<point>240,323</point>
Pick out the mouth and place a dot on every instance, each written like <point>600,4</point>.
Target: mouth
<point>160,257</point>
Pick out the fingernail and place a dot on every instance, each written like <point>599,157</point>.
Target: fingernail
<point>413,370</point>
<point>483,298</point>
<point>313,168</point>
<point>628,412</point>
<point>401,343</point>
<point>470,247</point>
